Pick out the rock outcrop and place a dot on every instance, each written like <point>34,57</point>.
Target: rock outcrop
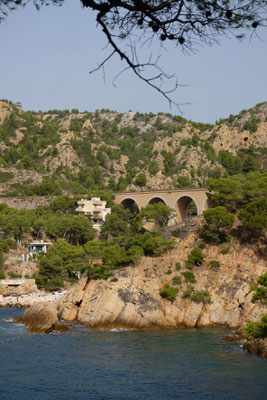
<point>131,299</point>
<point>257,347</point>
<point>42,318</point>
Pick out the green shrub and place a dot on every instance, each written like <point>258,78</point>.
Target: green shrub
<point>214,265</point>
<point>176,233</point>
<point>169,271</point>
<point>7,244</point>
<point>5,176</point>
<point>2,275</point>
<point>257,329</point>
<point>189,276</point>
<point>195,257</point>
<point>225,249</point>
<point>177,280</point>
<point>54,284</point>
<point>169,292</point>
<point>114,256</point>
<point>202,245</point>
<point>187,293</point>
<point>230,162</point>
<point>99,271</point>
<point>141,180</point>
<point>184,182</point>
<point>14,275</point>
<point>178,266</point>
<point>251,125</point>
<point>218,221</point>
<point>260,290</point>
<point>153,167</point>
<point>157,245</point>
<point>203,296</point>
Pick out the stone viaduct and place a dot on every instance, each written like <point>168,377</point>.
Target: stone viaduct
<point>178,199</point>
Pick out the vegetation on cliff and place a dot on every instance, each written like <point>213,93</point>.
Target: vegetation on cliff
<point>239,208</point>
<point>123,239</point>
<point>55,152</point>
<point>258,329</point>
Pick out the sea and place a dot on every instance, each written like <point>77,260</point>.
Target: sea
<point>126,365</point>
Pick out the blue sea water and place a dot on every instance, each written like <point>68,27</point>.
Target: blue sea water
<point>126,365</point>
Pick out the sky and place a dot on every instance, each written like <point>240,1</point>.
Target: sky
<point>46,56</point>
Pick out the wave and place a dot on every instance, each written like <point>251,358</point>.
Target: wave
<point>119,330</point>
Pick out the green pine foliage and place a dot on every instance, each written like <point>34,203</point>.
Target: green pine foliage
<point>189,276</point>
<point>202,296</point>
<point>169,292</point>
<point>196,257</point>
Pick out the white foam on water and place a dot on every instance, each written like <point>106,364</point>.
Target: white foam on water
<point>119,330</point>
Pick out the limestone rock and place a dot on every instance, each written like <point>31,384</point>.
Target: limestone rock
<point>41,318</point>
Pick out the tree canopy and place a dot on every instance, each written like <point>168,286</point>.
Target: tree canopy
<point>131,24</point>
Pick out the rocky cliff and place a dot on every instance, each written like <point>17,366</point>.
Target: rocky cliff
<point>131,298</point>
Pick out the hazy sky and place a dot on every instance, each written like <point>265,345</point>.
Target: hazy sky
<point>46,56</point>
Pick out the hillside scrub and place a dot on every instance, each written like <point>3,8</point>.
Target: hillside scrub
<point>239,199</point>
<point>76,153</point>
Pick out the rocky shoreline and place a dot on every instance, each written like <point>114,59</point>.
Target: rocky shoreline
<point>45,317</point>
<point>131,297</point>
<point>42,318</point>
<point>27,300</point>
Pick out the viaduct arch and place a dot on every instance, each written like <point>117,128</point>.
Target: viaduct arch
<point>181,200</point>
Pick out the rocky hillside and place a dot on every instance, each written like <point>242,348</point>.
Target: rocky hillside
<point>48,153</point>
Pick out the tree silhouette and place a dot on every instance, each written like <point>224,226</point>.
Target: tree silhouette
<point>129,25</point>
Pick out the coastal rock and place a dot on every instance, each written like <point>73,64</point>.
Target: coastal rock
<point>257,346</point>
<point>42,318</point>
<point>132,299</point>
<point>236,336</point>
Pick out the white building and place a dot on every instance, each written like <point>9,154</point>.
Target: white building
<point>96,208</point>
<point>37,246</point>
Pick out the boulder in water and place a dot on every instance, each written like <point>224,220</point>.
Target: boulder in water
<point>42,318</point>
